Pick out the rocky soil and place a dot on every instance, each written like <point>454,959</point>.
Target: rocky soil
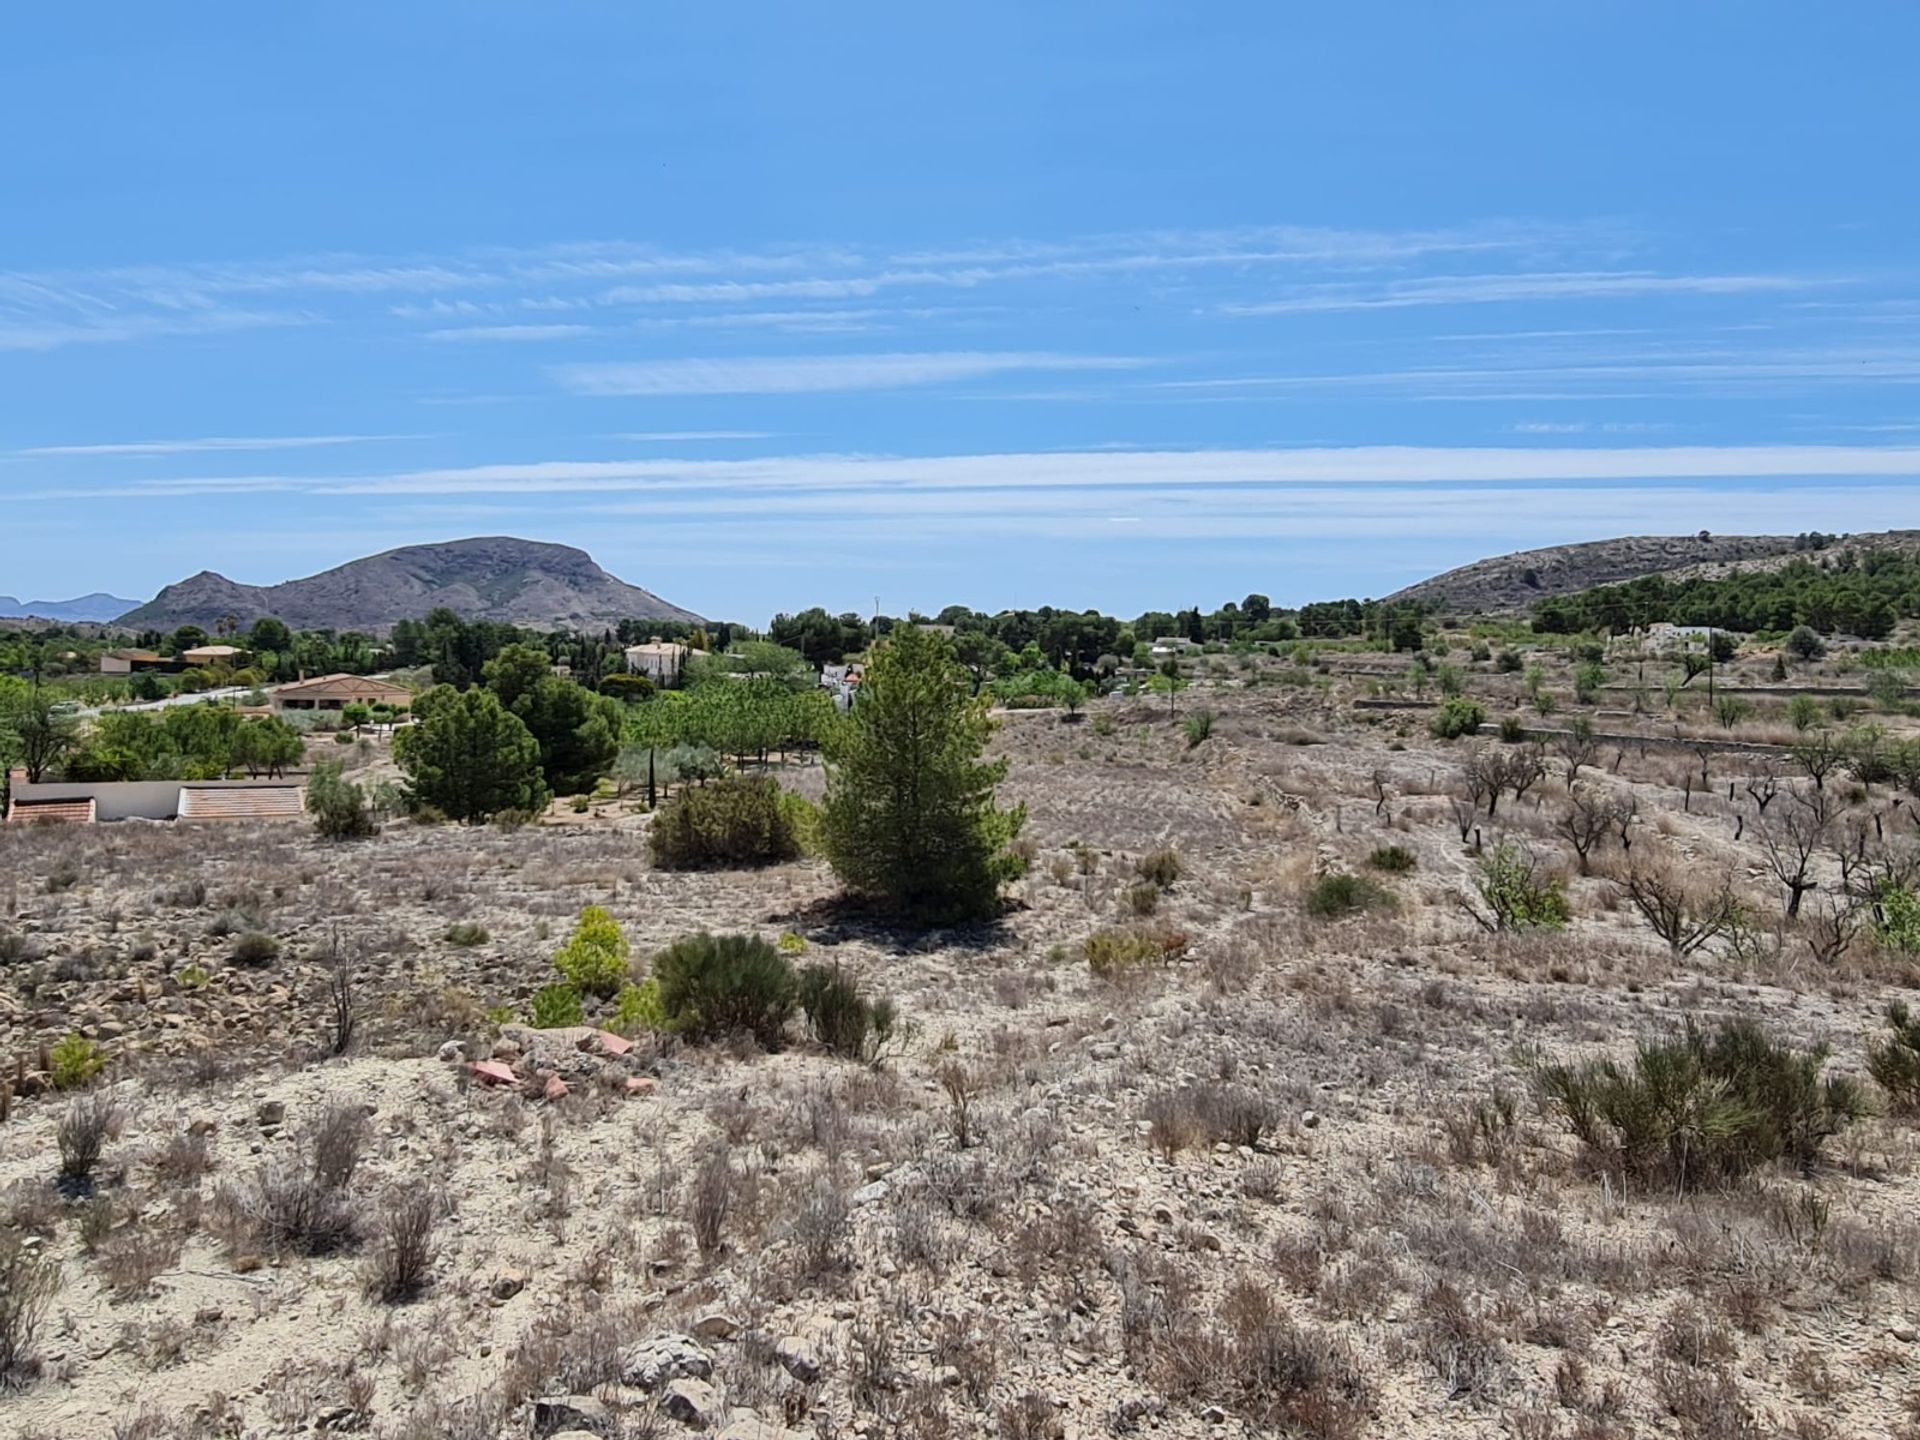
<point>1249,1188</point>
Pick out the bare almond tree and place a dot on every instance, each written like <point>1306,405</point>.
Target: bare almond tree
<point>1577,748</point>
<point>1793,836</point>
<point>1682,911</point>
<point>1592,814</point>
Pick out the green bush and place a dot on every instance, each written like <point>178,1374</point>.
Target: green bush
<point>1804,643</point>
<point>1143,899</point>
<point>1513,730</point>
<point>555,1007</point>
<point>1899,923</point>
<point>802,818</point>
<point>1113,952</point>
<point>1895,1066</point>
<point>717,985</point>
<point>1199,726</point>
<point>1335,895</point>
<point>1803,712</point>
<point>1704,1107</point>
<point>255,948</point>
<point>337,804</point>
<point>467,933</point>
<point>1456,717</point>
<point>843,1019</point>
<point>74,1061</point>
<point>736,820</point>
<point>594,959</point>
<point>1521,895</point>
<point>1394,859</point>
<point>638,1008</point>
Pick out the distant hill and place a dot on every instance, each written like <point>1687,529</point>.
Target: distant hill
<point>97,607</point>
<point>1516,581</point>
<point>521,582</point>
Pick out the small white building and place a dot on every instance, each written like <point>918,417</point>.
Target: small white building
<point>661,661</point>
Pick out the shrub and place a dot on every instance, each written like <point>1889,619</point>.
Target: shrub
<point>1899,922</point>
<point>1394,859</point>
<point>1803,712</point>
<point>1161,868</point>
<point>803,821</point>
<point>736,820</point>
<point>84,1130</point>
<point>75,1061</point>
<point>467,933</point>
<point>1804,643</point>
<point>594,959</point>
<point>555,1007</point>
<point>338,805</point>
<point>1143,899</point>
<point>1335,895</point>
<point>638,1008</point>
<point>1208,1113</point>
<point>843,1019</point>
<point>717,985</point>
<point>1704,1107</point>
<point>1519,893</point>
<point>1513,730</point>
<point>28,1283</point>
<point>1199,726</point>
<point>255,948</point>
<point>1111,952</point>
<point>300,1202</point>
<point>1895,1066</point>
<point>403,1239</point>
<point>343,737</point>
<point>1456,717</point>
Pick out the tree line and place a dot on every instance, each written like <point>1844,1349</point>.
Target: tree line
<point>1847,594</point>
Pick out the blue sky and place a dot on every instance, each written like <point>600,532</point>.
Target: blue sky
<point>1120,305</point>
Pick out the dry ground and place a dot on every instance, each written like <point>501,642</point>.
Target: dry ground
<point>1084,1264</point>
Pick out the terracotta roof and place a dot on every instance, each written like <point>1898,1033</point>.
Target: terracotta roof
<point>254,802</point>
<point>342,684</point>
<point>51,812</point>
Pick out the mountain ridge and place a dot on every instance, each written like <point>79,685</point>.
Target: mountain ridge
<point>1515,581</point>
<point>493,577</point>
<point>97,608</point>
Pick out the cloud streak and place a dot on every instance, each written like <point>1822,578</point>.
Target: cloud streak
<point>813,374</point>
<point>210,444</point>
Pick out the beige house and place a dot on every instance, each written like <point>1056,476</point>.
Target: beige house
<point>125,662</point>
<point>336,692</point>
<point>213,655</point>
<point>661,661</point>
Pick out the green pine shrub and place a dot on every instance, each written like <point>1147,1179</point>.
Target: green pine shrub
<point>712,986</point>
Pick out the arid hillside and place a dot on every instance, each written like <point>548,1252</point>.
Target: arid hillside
<point>521,582</point>
<point>1244,1120</point>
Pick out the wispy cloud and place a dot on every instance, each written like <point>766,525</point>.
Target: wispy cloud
<point>805,374</point>
<point>1508,289</point>
<point>511,332</point>
<point>673,435</point>
<point>54,333</point>
<point>1192,472</point>
<point>209,444</point>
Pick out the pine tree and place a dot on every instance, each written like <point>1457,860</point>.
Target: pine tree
<point>910,819</point>
<point>469,757</point>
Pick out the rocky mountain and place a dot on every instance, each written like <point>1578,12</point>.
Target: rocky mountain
<point>521,582</point>
<point>96,607</point>
<point>1516,581</point>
